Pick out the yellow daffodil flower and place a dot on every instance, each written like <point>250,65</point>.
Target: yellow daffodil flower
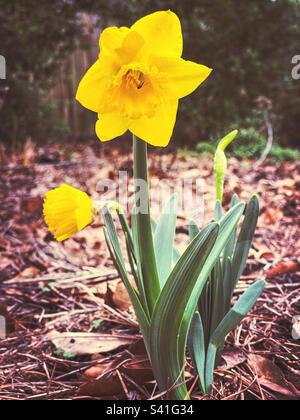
<point>138,79</point>
<point>67,210</point>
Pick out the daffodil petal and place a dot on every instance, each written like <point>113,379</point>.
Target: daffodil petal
<point>161,32</point>
<point>130,48</point>
<point>110,125</point>
<point>183,76</point>
<point>83,216</point>
<point>92,87</point>
<point>112,38</point>
<point>63,237</point>
<point>157,130</point>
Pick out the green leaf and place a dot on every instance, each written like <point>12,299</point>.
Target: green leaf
<point>244,240</point>
<point>196,344</point>
<point>154,225</point>
<point>218,211</point>
<point>116,255</point>
<point>193,230</point>
<point>227,284</point>
<point>228,250</point>
<point>230,321</point>
<point>227,225</point>
<point>127,232</point>
<point>109,223</point>
<point>217,307</point>
<point>164,239</point>
<point>176,253</point>
<point>135,245</point>
<point>204,308</point>
<point>170,307</point>
<point>137,278</point>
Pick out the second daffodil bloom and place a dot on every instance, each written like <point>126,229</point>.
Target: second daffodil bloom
<point>138,79</point>
<point>67,210</point>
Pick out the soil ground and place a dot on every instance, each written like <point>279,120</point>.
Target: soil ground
<point>72,288</point>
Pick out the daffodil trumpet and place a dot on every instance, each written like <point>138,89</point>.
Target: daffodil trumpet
<point>179,299</point>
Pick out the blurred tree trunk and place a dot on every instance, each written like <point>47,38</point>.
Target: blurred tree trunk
<point>63,95</point>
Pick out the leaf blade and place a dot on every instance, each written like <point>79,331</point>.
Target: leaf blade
<point>170,308</point>
<point>196,344</point>
<point>244,241</point>
<point>229,322</point>
<point>116,255</point>
<point>227,224</point>
<point>164,239</point>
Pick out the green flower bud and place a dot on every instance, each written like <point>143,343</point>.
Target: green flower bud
<point>221,163</point>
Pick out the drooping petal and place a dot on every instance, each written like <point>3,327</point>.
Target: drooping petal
<point>157,130</point>
<point>162,34</point>
<point>110,126</point>
<point>183,76</point>
<point>92,87</point>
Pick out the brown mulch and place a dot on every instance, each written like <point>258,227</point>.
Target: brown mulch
<point>48,287</point>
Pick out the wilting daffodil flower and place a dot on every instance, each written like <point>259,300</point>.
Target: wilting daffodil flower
<point>68,210</point>
<point>138,79</point>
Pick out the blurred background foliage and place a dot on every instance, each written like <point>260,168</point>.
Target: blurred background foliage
<point>48,46</point>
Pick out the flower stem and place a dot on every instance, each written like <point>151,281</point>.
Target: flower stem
<point>144,228</point>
